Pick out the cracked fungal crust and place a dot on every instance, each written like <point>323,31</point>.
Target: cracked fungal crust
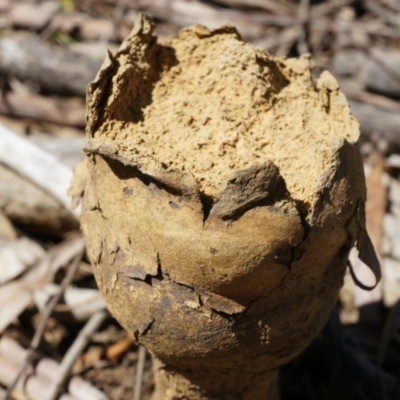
<point>208,104</point>
<point>221,195</point>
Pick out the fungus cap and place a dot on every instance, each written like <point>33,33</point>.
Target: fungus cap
<point>225,192</point>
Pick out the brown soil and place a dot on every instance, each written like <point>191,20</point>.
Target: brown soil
<point>117,381</point>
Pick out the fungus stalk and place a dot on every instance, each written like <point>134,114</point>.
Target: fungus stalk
<point>224,193</point>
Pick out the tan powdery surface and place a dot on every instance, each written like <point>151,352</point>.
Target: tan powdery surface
<point>209,103</point>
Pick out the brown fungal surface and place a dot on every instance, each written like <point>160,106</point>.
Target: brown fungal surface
<point>225,191</point>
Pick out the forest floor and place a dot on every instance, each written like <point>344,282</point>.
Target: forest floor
<point>49,303</point>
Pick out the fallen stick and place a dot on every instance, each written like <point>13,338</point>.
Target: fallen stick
<point>375,70</point>
<point>44,319</point>
<point>55,70</point>
<point>31,208</point>
<point>72,354</point>
<point>32,385</point>
<point>15,296</point>
<point>376,121</point>
<point>41,108</point>
<point>42,168</point>
<point>278,7</point>
<point>251,24</point>
<point>139,373</point>
<point>81,303</point>
<point>12,356</point>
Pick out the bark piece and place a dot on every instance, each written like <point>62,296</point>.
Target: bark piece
<point>248,187</point>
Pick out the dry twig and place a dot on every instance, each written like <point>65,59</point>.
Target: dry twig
<point>36,382</point>
<point>42,325</point>
<point>382,12</point>
<point>139,372</point>
<point>17,295</point>
<point>43,108</point>
<point>74,351</point>
<point>54,70</point>
<point>303,14</point>
<point>37,165</point>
